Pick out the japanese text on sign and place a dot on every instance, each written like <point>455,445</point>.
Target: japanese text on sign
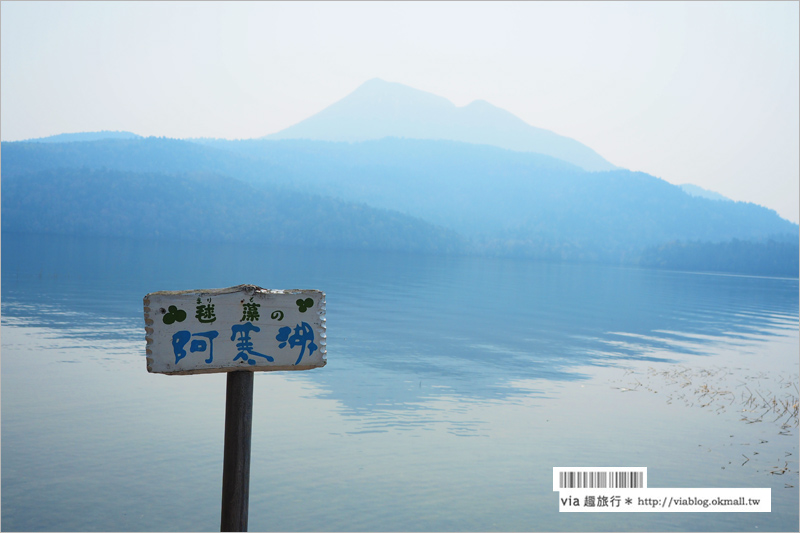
<point>238,328</point>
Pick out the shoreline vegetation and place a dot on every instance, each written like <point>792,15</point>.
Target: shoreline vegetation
<point>766,258</point>
<point>754,397</point>
<point>749,261</point>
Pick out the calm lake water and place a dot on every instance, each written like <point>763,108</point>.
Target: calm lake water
<point>454,385</point>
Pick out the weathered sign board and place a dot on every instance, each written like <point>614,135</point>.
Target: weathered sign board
<point>238,328</point>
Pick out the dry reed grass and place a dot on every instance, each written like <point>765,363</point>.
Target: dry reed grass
<point>757,397</point>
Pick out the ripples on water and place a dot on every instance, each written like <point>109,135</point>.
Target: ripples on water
<point>453,387</point>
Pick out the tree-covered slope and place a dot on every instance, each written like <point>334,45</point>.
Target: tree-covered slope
<point>204,208</point>
<point>151,154</point>
<point>766,258</point>
<point>515,202</point>
<point>501,202</point>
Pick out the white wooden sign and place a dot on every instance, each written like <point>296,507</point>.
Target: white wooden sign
<point>238,328</point>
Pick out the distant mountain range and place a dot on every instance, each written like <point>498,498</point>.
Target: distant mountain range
<point>380,109</point>
<point>384,185</point>
<point>392,194</point>
<point>501,196</point>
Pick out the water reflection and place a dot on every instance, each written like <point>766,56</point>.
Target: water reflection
<point>453,387</point>
<point>458,327</point>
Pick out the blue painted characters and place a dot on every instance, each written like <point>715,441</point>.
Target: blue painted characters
<point>199,345</point>
<point>245,343</point>
<point>243,336</point>
<point>303,336</point>
<point>236,328</point>
<point>180,338</point>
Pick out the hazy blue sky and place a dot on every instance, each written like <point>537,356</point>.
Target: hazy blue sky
<point>699,92</point>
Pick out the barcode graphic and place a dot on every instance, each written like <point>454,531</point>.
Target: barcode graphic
<point>599,477</point>
<point>600,480</point>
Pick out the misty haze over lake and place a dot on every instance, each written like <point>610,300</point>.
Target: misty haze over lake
<point>453,386</point>
<point>501,300</point>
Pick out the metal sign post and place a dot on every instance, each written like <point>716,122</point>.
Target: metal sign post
<point>236,464</point>
<point>239,330</point>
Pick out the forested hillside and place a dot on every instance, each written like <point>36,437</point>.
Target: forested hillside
<point>769,258</point>
<point>389,194</point>
<point>204,208</point>
<point>515,203</point>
